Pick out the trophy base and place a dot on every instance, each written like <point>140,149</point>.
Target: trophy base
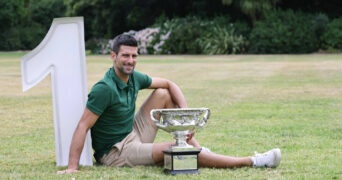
<point>181,162</point>
<point>175,172</point>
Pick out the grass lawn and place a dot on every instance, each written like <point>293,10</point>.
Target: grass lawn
<point>293,102</point>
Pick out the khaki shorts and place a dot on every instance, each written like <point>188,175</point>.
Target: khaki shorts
<point>136,148</point>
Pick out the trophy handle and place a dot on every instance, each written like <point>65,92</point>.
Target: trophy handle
<point>205,117</point>
<point>153,114</point>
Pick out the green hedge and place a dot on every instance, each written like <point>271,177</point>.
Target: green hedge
<point>184,33</point>
<point>24,24</point>
<point>332,38</point>
<point>223,39</point>
<point>280,32</point>
<point>284,32</point>
<point>193,35</point>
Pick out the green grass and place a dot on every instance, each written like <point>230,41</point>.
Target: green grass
<point>293,102</point>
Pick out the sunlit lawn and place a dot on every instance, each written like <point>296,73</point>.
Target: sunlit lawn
<point>293,102</point>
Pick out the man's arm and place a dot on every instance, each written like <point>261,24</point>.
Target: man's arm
<point>175,92</point>
<point>87,120</point>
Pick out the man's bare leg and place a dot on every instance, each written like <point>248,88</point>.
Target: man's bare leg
<point>205,159</point>
<point>159,99</point>
<point>212,160</point>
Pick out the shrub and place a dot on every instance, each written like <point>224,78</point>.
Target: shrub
<point>319,24</point>
<point>144,38</point>
<point>332,38</point>
<point>159,39</point>
<point>192,35</point>
<point>283,32</point>
<point>99,46</point>
<point>222,40</point>
<point>11,15</point>
<point>184,32</point>
<point>23,24</point>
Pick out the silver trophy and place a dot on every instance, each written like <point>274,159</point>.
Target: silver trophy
<point>180,158</point>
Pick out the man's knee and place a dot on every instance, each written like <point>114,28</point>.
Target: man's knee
<point>162,93</point>
<point>159,99</point>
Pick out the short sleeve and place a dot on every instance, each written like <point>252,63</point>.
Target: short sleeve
<point>143,79</point>
<point>99,98</point>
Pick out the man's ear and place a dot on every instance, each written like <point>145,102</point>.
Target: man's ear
<point>112,54</point>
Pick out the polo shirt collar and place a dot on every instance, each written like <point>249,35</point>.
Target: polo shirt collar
<point>119,82</point>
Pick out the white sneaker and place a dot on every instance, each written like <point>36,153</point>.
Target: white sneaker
<point>268,159</point>
<point>204,149</point>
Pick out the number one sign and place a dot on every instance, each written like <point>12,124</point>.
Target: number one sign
<point>62,54</point>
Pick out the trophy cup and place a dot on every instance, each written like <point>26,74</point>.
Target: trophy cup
<point>180,158</point>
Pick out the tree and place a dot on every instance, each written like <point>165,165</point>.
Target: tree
<point>11,16</point>
<point>254,9</point>
<point>107,18</point>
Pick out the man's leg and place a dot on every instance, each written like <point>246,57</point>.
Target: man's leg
<point>269,159</point>
<point>159,99</point>
<point>210,159</point>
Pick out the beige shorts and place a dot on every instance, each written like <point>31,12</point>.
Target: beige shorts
<point>136,148</point>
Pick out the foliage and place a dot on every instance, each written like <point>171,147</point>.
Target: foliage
<point>319,24</point>
<point>99,46</point>
<point>332,38</point>
<point>108,18</point>
<point>222,40</point>
<point>41,16</point>
<point>192,35</point>
<point>331,8</point>
<point>44,11</point>
<point>23,25</point>
<point>145,38</point>
<point>283,32</point>
<point>184,32</point>
<point>11,15</point>
<point>254,9</point>
<point>159,39</point>
<point>99,19</point>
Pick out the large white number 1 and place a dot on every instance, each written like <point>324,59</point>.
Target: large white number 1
<point>62,53</point>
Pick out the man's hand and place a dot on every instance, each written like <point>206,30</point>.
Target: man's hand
<point>189,136</point>
<point>67,171</point>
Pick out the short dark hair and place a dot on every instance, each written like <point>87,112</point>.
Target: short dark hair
<point>123,39</point>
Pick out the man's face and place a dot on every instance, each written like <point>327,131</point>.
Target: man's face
<point>126,59</point>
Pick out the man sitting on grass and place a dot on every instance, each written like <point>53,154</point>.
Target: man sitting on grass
<point>121,137</point>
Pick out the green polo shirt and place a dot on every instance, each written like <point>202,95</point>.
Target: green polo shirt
<point>114,102</point>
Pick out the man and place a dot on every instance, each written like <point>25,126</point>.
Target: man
<point>121,137</point>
